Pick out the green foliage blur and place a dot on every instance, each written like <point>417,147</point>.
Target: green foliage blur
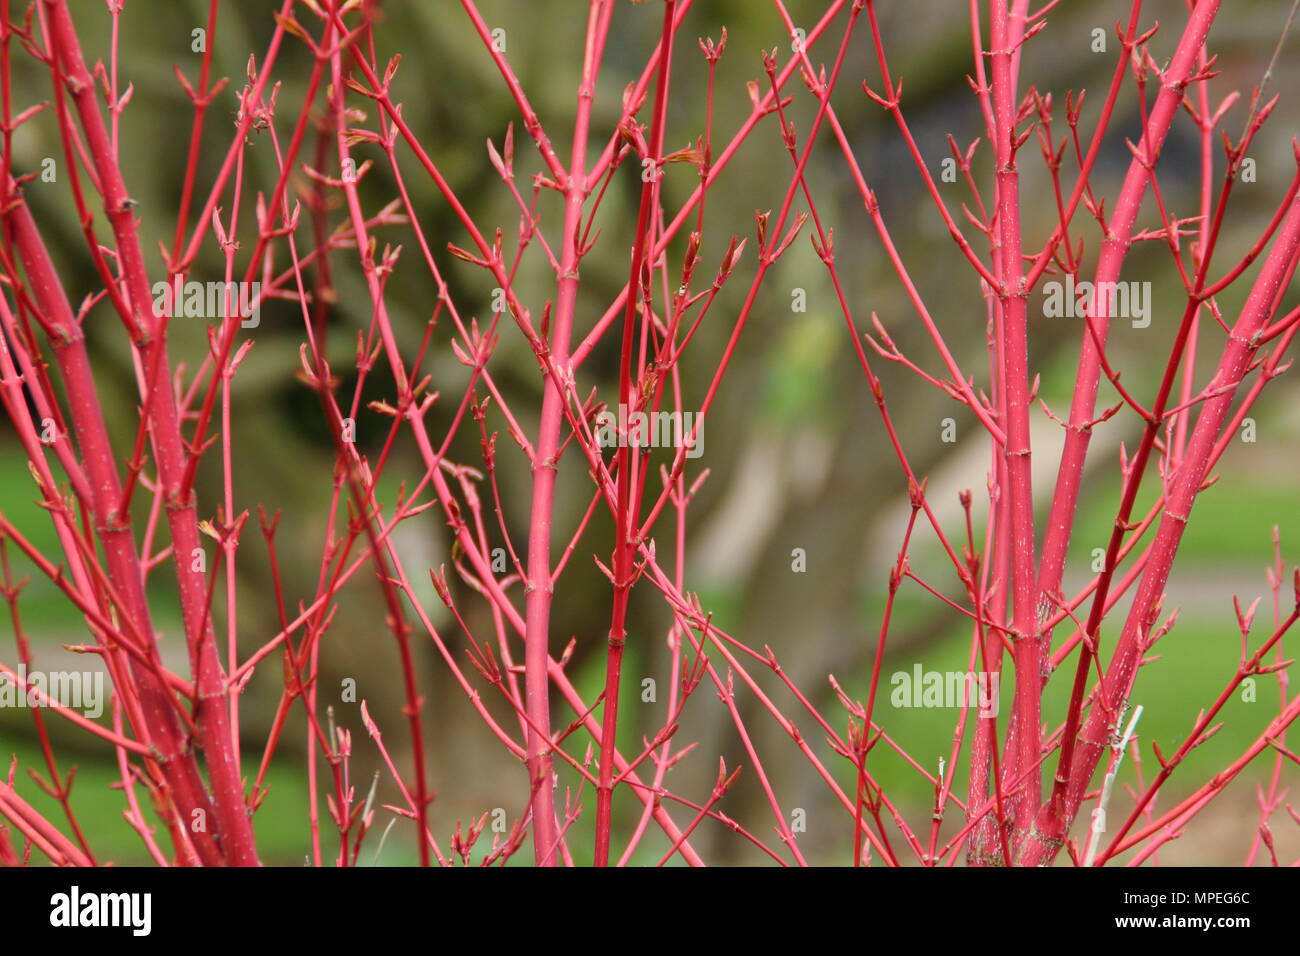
<point>797,452</point>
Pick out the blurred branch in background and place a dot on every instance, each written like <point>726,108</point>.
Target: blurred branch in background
<point>441,324</point>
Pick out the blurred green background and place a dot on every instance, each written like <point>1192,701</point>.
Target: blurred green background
<point>797,452</point>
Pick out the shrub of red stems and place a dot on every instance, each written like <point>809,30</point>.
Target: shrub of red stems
<point>474,417</point>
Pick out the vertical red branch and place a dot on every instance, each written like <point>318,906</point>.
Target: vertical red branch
<point>112,528</point>
<point>625,520</point>
<point>1007,32</point>
<point>232,814</point>
<point>1114,248</point>
<point>1184,485</point>
<point>540,589</point>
